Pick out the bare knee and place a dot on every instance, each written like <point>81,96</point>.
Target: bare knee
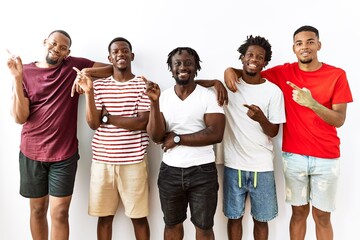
<point>106,221</point>
<point>320,217</point>
<point>139,221</point>
<point>300,213</point>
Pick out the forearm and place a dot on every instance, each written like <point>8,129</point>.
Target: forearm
<point>269,128</point>
<point>156,124</point>
<point>213,133</point>
<point>206,83</point>
<point>334,117</point>
<point>92,114</point>
<point>20,108</point>
<point>129,123</point>
<point>99,71</point>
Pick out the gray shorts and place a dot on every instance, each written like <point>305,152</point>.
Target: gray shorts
<point>38,179</point>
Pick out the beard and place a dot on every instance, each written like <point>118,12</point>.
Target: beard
<point>306,61</point>
<point>251,74</point>
<point>181,82</point>
<point>50,61</point>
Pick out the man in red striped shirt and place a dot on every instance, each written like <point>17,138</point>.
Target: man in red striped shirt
<point>117,108</point>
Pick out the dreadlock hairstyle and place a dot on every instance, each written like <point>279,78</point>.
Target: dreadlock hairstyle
<point>259,41</point>
<point>62,32</point>
<point>307,28</point>
<point>119,39</point>
<point>190,51</point>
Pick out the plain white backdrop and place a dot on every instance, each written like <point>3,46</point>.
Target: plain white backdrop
<point>215,29</point>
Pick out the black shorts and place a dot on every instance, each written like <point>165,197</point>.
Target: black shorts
<point>38,179</point>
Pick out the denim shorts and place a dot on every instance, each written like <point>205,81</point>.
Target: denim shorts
<point>311,179</point>
<point>194,186</point>
<point>259,186</point>
<point>38,179</point>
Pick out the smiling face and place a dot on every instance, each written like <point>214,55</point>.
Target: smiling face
<point>306,45</point>
<point>120,55</point>
<point>58,47</point>
<point>183,67</point>
<point>254,60</point>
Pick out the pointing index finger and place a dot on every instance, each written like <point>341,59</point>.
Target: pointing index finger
<point>76,69</point>
<point>293,85</point>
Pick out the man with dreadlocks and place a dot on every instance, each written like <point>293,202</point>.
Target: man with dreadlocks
<point>253,116</point>
<point>186,120</point>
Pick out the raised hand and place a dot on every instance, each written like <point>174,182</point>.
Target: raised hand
<point>152,90</point>
<point>255,113</point>
<point>82,84</point>
<point>14,64</point>
<point>302,95</point>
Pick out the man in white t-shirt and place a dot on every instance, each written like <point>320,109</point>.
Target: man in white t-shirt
<point>253,116</point>
<point>187,121</point>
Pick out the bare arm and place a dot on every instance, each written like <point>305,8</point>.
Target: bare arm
<point>221,92</point>
<point>130,123</point>
<point>334,116</point>
<point>211,134</point>
<point>256,114</point>
<point>86,84</point>
<point>20,106</point>
<point>156,126</point>
<point>99,70</point>
<point>231,77</point>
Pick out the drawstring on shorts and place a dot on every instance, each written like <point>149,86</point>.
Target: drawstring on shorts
<point>255,178</point>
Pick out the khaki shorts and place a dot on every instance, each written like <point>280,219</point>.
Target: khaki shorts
<point>112,183</point>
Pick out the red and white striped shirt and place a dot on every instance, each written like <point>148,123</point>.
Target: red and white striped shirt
<point>116,145</point>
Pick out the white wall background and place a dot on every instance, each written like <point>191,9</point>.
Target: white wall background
<point>214,29</point>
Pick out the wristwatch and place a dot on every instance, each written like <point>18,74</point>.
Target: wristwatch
<point>177,139</point>
<point>105,118</point>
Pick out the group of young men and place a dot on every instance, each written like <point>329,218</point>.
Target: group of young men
<point>308,97</point>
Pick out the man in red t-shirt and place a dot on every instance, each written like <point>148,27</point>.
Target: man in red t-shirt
<point>48,157</point>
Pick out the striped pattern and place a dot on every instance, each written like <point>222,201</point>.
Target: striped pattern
<point>112,144</point>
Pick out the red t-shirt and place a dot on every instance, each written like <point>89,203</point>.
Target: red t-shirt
<point>50,132</point>
<point>305,132</point>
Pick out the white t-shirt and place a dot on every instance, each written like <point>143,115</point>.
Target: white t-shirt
<point>245,144</point>
<point>185,117</point>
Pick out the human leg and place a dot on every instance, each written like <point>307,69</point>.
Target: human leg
<point>134,191</point>
<point>201,183</point>
<point>141,228</point>
<point>103,197</point>
<point>38,218</point>
<point>323,225</point>
<point>298,222</point>
<point>173,201</point>
<point>104,227</point>
<point>234,201</point>
<point>235,229</point>
<point>61,186</point>
<point>204,234</point>
<point>324,182</point>
<point>261,230</point>
<point>174,232</point>
<point>34,185</point>
<point>59,213</point>
<point>297,183</point>
<point>263,201</point>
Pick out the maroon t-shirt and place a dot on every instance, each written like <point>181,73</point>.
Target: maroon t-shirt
<point>50,132</point>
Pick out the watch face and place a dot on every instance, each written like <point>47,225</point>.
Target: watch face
<point>176,139</point>
<point>105,119</point>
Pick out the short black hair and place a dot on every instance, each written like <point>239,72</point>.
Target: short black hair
<point>191,51</point>
<point>62,32</point>
<point>119,39</point>
<point>259,41</point>
<point>307,28</point>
